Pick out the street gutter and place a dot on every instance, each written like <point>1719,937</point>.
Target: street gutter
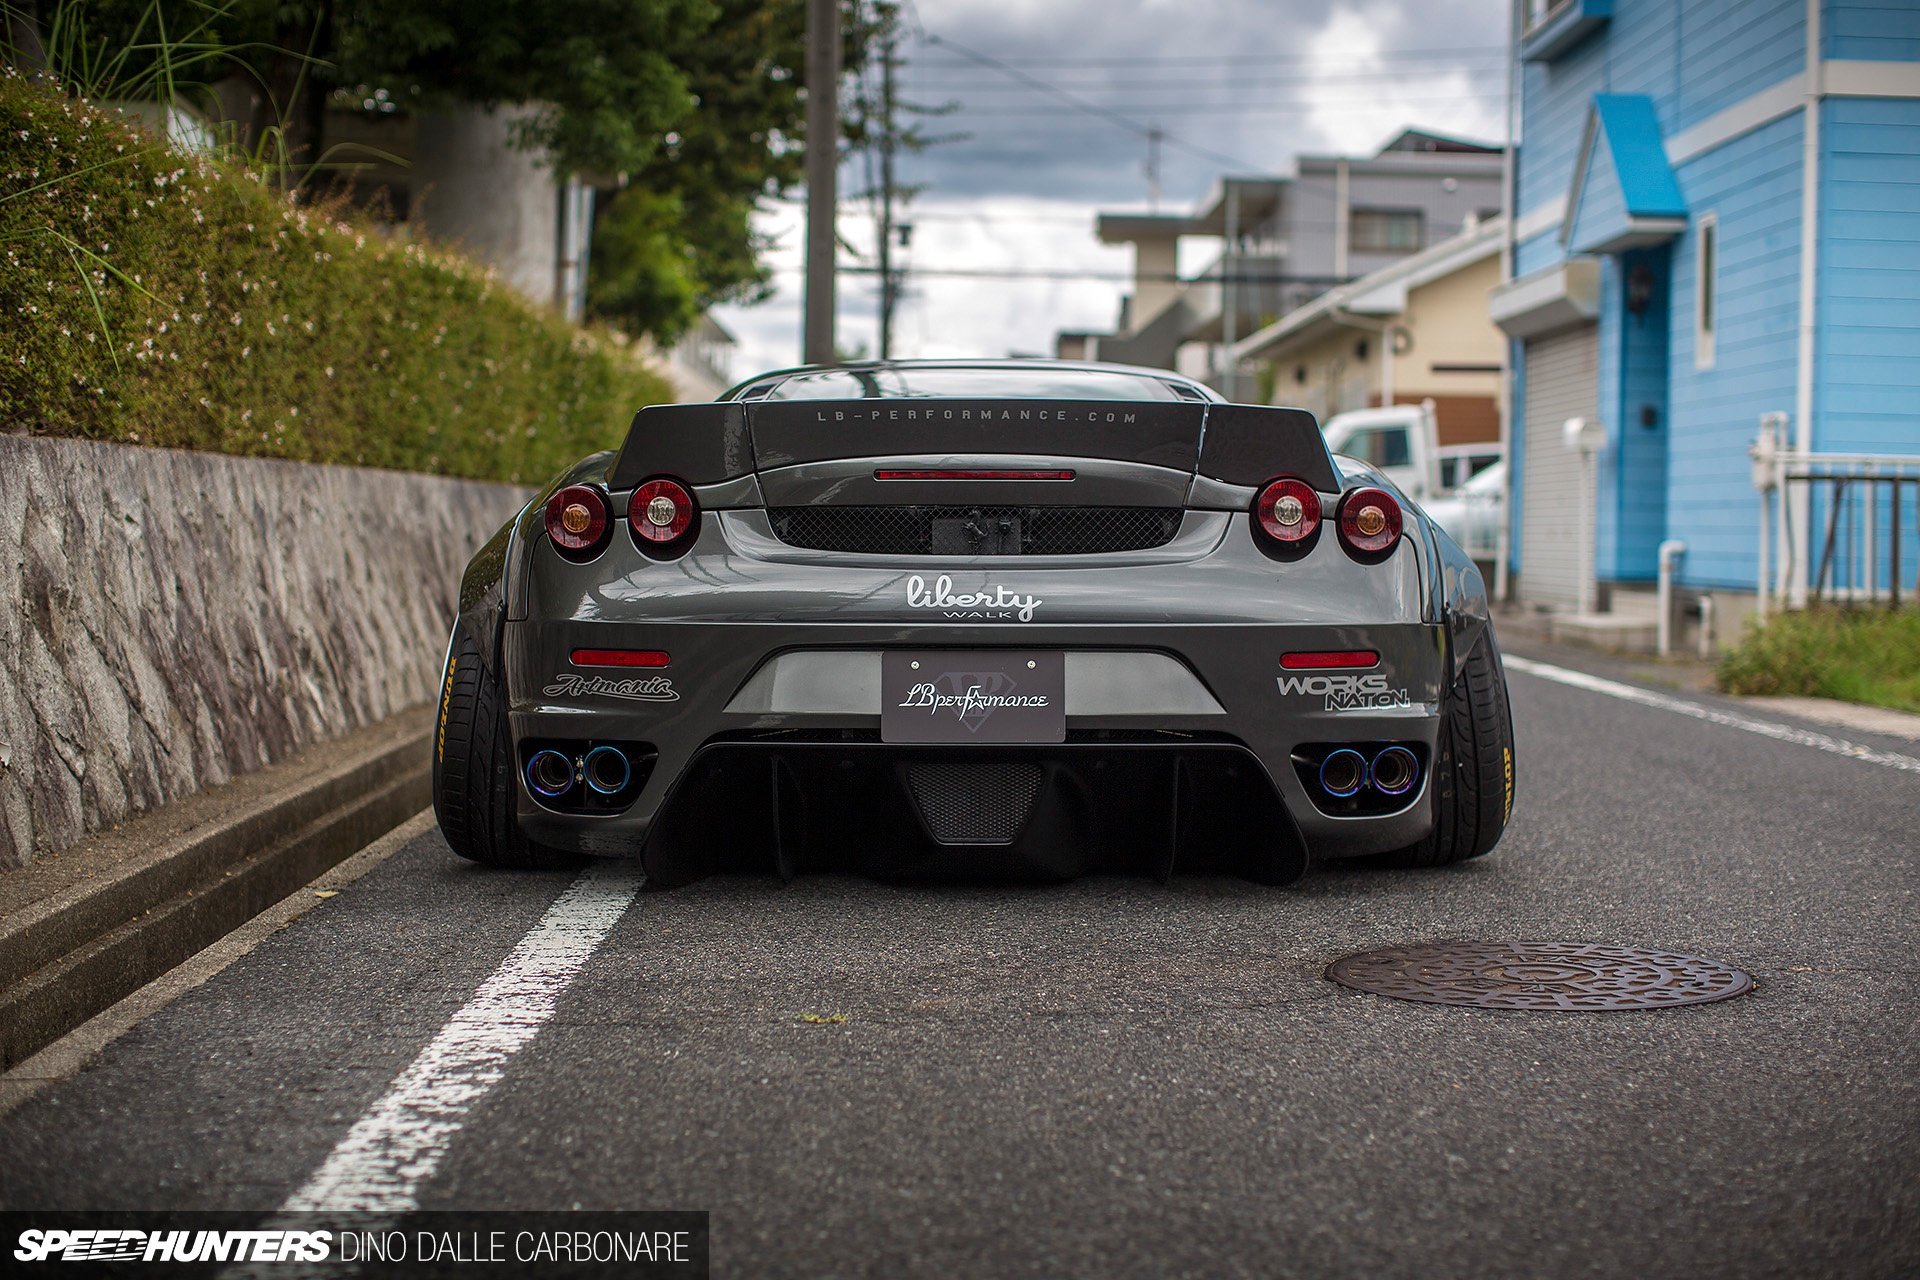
<point>83,929</point>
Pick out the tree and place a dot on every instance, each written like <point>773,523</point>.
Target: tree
<point>690,112</point>
<point>679,238</point>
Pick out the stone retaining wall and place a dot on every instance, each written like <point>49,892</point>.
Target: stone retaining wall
<point>182,618</point>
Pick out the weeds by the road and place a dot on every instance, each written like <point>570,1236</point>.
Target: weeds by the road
<point>1870,656</point>
<point>158,298</point>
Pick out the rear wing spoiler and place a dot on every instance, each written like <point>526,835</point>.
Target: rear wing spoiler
<point>1249,444</point>
<point>1234,443</point>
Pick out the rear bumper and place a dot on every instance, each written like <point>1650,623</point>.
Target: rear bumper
<point>1179,686</point>
<point>732,735</point>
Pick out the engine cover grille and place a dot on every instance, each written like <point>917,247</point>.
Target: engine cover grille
<point>975,531</point>
<point>975,803</point>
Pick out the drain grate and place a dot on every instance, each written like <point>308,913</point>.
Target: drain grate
<point>1539,975</point>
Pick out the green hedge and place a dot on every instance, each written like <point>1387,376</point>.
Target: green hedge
<point>159,299</point>
<point>1867,655</point>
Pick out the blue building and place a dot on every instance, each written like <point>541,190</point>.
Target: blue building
<point>1716,216</point>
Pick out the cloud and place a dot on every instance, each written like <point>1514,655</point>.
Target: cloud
<point>1238,85</point>
<point>945,315</point>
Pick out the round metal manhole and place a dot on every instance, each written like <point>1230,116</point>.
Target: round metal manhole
<point>1539,975</point>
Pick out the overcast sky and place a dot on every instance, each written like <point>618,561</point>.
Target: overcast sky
<point>1240,86</point>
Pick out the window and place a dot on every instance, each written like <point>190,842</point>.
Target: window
<point>1032,382</point>
<point>1706,311</point>
<point>1380,447</point>
<point>1387,230</point>
<point>1538,11</point>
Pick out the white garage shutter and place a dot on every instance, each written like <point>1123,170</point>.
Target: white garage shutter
<point>1563,381</point>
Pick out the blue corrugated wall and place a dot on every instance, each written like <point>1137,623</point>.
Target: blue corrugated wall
<point>1753,186</point>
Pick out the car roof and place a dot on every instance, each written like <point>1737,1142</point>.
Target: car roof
<point>738,390</point>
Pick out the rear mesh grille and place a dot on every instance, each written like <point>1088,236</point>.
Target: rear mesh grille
<point>975,803</point>
<point>976,531</point>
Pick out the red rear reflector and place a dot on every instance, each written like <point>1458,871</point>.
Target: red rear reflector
<point>619,658</point>
<point>1331,658</point>
<point>973,475</point>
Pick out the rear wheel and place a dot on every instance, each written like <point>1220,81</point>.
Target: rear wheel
<point>1472,781</point>
<point>474,793</point>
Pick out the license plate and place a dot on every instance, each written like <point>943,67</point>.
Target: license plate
<point>973,695</point>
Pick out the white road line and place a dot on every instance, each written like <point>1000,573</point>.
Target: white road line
<point>398,1144</point>
<point>1765,728</point>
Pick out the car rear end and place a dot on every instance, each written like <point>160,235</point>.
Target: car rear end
<point>958,635</point>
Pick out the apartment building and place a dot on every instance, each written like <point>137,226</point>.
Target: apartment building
<point>1283,241</point>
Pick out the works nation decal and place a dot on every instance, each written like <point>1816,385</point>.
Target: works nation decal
<point>1347,693</point>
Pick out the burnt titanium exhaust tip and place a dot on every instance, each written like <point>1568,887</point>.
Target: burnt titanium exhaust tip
<point>1395,770</point>
<point>607,770</point>
<point>550,774</point>
<point>1343,772</point>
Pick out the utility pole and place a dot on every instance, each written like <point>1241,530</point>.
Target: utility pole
<point>823,163</point>
<point>889,287</point>
<point>1230,293</point>
<point>1154,134</point>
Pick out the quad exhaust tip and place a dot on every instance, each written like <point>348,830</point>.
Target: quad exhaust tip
<point>1395,770</point>
<point>550,774</point>
<point>1343,772</point>
<point>606,770</point>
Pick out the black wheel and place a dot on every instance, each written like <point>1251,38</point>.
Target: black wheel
<point>1472,784</point>
<point>473,781</point>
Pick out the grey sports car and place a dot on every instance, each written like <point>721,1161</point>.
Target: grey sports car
<point>983,618</point>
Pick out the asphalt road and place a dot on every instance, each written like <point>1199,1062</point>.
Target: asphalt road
<point>1116,1078</point>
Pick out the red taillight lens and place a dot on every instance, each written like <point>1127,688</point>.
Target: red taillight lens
<point>620,658</point>
<point>661,511</point>
<point>1369,521</point>
<point>577,517</point>
<point>1329,658</point>
<point>1288,510</point>
<point>972,474</point>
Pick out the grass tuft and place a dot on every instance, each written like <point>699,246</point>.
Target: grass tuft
<point>155,298</point>
<point>1870,656</point>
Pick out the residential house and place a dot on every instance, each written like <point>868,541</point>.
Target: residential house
<point>1717,217</point>
<point>1285,240</point>
<point>1416,330</point>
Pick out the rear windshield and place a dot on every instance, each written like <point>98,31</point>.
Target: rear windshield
<point>972,384</point>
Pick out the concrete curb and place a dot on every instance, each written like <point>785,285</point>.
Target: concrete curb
<point>93,924</point>
<point>68,1055</point>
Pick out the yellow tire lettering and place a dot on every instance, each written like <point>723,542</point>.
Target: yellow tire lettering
<point>1506,755</point>
<point>446,704</point>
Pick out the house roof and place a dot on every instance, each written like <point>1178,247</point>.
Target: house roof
<point>1384,293</point>
<point>1125,228</point>
<point>1624,193</point>
<point>1421,140</point>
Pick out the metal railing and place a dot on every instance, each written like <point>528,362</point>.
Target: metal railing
<point>1833,526</point>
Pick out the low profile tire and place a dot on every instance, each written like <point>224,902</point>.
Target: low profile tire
<point>1472,781</point>
<point>474,791</point>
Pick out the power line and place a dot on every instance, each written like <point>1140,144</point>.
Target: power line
<point>1081,104</point>
<point>978,85</point>
<point>1118,277</point>
<point>1240,108</point>
<point>1318,58</point>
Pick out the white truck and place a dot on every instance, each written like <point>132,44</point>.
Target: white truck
<point>1403,440</point>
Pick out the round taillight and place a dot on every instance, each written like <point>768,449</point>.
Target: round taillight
<point>577,517</point>
<point>661,511</point>
<point>1288,510</point>
<point>1369,521</point>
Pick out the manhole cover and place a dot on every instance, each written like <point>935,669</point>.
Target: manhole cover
<point>1539,975</point>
